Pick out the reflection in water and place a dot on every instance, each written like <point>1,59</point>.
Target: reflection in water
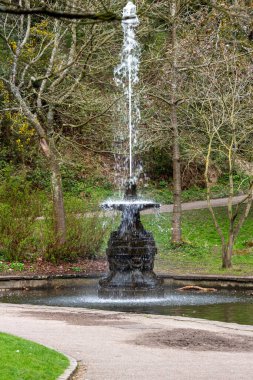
<point>226,306</point>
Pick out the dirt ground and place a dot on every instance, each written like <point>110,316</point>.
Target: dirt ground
<point>80,372</point>
<point>184,339</point>
<point>82,318</point>
<point>196,340</point>
<point>40,267</point>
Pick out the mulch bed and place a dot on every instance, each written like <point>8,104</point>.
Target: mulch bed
<point>41,267</point>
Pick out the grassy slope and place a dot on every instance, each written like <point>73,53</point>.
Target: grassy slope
<point>24,360</point>
<point>90,199</point>
<point>201,252</point>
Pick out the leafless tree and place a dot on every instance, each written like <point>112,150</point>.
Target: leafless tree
<point>220,109</point>
<point>47,62</point>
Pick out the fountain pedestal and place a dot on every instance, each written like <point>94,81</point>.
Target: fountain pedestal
<point>131,252</point>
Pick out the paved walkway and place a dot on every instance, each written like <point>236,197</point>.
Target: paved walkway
<point>195,205</point>
<point>106,343</point>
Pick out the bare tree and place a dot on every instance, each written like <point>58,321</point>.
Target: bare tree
<point>196,35</point>
<point>220,108</point>
<point>48,62</point>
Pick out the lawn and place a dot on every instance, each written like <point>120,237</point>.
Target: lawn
<point>201,251</point>
<point>24,360</point>
<point>90,198</point>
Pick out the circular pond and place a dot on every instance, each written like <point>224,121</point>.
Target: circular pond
<point>223,305</point>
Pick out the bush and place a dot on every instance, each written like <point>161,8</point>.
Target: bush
<point>19,208</point>
<point>15,266</point>
<point>25,236</point>
<point>85,236</point>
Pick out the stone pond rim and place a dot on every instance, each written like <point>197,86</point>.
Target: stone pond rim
<point>25,281</point>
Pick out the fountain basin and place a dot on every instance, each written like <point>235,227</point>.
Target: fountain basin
<point>124,204</point>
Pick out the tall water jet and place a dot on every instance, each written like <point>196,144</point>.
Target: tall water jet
<point>126,77</point>
<point>131,249</point>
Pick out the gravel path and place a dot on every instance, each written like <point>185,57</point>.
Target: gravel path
<point>120,346</point>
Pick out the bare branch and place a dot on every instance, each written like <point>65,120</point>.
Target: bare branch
<point>56,13</point>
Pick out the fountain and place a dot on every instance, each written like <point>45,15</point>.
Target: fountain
<point>131,285</point>
<point>131,249</point>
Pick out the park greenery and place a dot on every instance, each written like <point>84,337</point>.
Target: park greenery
<point>200,251</point>
<point>58,117</point>
<point>23,359</point>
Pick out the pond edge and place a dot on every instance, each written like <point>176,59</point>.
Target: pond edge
<point>27,282</point>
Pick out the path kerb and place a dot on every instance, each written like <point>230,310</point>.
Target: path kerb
<point>70,371</point>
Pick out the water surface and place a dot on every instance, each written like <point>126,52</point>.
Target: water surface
<point>223,305</point>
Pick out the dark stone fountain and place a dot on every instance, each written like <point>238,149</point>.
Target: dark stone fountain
<point>131,252</point>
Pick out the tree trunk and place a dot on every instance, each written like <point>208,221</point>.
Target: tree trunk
<point>177,209</point>
<point>227,251</point>
<point>57,193</point>
<point>58,204</point>
<point>56,185</point>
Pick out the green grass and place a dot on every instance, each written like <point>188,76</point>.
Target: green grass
<point>90,200</point>
<point>87,197</point>
<point>86,201</point>
<point>164,194</point>
<point>201,251</point>
<point>24,360</point>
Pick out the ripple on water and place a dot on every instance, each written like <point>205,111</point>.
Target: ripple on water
<point>227,306</point>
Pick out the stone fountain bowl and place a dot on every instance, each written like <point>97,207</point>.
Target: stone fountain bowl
<point>125,204</point>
